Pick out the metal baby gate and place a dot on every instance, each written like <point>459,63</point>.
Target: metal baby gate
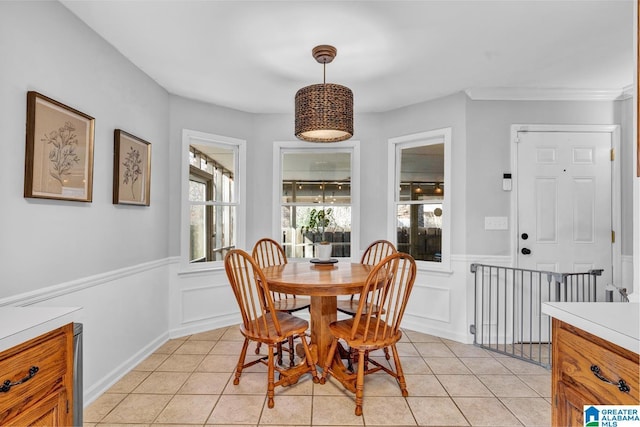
<point>508,314</point>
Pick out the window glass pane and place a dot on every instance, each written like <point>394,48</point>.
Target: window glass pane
<point>315,182</point>
<point>419,218</point>
<point>336,228</point>
<point>197,233</point>
<point>211,190</point>
<point>223,239</point>
<point>419,228</point>
<point>216,164</point>
<point>197,190</point>
<point>317,177</point>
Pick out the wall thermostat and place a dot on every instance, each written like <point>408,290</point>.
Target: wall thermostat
<point>506,182</point>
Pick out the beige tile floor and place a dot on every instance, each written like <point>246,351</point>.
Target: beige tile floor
<point>188,381</point>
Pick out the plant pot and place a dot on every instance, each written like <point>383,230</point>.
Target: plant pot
<point>323,251</point>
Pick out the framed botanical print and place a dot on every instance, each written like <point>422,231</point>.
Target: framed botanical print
<point>59,151</point>
<point>131,169</point>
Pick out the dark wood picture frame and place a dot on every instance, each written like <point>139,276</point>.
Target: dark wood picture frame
<point>59,151</point>
<point>131,169</point>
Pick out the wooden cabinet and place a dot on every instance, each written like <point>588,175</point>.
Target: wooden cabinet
<point>581,364</point>
<point>36,382</point>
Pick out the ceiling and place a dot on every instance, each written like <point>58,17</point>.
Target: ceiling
<point>254,55</point>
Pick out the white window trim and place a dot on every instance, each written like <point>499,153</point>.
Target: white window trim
<point>415,139</point>
<point>354,148</point>
<point>195,137</point>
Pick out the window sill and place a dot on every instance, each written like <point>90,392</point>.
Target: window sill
<point>205,268</point>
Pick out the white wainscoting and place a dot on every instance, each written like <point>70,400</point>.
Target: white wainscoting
<point>128,313</point>
<point>442,303</point>
<point>125,317</point>
<point>200,301</point>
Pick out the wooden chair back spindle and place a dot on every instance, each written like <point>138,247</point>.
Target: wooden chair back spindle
<point>377,251</point>
<point>267,253</point>
<point>388,288</point>
<point>252,293</point>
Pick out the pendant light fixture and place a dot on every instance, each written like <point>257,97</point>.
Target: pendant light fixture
<point>324,112</point>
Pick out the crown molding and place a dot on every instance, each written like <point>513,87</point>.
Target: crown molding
<point>548,94</point>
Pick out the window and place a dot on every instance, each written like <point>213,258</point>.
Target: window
<point>213,209</point>
<point>317,197</point>
<point>420,164</point>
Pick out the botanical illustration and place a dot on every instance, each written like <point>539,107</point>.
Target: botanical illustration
<point>62,154</point>
<point>131,169</point>
<point>59,152</point>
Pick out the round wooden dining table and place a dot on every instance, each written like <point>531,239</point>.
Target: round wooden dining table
<point>323,283</point>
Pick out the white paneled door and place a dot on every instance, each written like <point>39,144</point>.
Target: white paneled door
<point>564,215</point>
<point>564,202</point>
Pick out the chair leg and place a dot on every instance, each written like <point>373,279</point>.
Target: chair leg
<point>360,382</point>
<point>243,354</point>
<point>292,353</point>
<point>258,348</point>
<point>327,363</point>
<point>399,372</point>
<point>309,360</point>
<point>279,352</point>
<point>270,381</point>
<point>386,353</point>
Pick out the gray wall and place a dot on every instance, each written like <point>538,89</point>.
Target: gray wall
<point>43,242</point>
<point>489,156</point>
<point>193,115</point>
<point>445,112</point>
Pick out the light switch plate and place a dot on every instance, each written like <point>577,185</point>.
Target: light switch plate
<point>496,223</point>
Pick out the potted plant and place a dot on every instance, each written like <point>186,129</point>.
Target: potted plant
<point>317,222</point>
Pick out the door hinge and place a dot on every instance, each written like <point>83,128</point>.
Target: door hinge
<point>472,329</point>
<point>613,236</point>
<point>613,154</point>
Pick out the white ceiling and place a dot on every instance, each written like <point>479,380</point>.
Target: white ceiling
<point>254,55</point>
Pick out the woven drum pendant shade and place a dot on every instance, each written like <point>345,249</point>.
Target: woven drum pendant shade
<point>324,112</point>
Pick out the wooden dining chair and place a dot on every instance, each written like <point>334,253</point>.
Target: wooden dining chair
<point>388,286</point>
<point>375,253</point>
<point>261,322</point>
<point>267,253</point>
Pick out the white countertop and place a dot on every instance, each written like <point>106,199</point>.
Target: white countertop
<point>617,322</point>
<point>20,324</point>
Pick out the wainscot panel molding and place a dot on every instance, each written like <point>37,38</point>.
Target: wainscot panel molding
<point>125,317</point>
<point>439,307</point>
<point>442,303</point>
<point>200,300</point>
<point>55,291</point>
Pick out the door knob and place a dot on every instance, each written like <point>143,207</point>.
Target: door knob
<point>525,251</point>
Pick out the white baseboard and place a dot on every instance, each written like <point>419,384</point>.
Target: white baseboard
<point>95,390</point>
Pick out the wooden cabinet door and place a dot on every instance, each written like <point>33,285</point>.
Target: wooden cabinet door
<point>570,406</point>
<point>52,411</point>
